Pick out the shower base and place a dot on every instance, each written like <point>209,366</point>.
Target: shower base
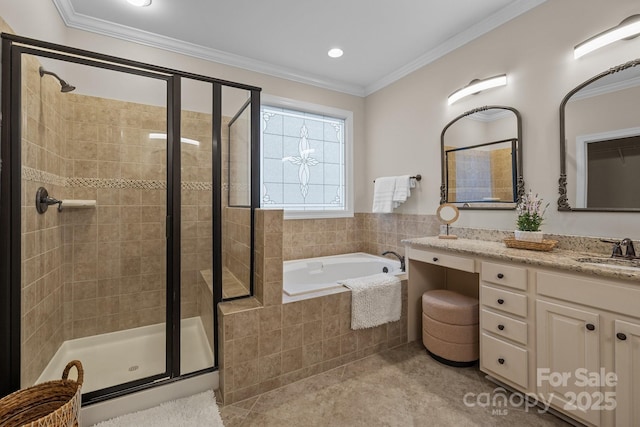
<point>119,357</point>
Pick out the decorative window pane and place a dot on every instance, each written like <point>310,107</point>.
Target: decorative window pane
<point>303,160</point>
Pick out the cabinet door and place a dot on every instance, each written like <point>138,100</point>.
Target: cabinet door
<point>627,359</point>
<point>568,348</point>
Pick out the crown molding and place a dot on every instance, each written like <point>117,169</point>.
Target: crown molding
<point>459,40</point>
<point>72,19</point>
<point>601,90</point>
<point>79,21</point>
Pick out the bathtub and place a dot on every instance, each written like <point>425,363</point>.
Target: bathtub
<point>310,277</point>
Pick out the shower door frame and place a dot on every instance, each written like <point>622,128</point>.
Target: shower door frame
<point>10,213</point>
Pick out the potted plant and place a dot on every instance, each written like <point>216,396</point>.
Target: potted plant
<point>530,214</point>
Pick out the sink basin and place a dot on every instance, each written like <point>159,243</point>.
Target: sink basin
<point>631,264</point>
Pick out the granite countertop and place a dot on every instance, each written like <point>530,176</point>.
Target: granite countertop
<point>557,258</point>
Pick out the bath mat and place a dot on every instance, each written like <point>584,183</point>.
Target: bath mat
<point>375,300</point>
<point>193,411</point>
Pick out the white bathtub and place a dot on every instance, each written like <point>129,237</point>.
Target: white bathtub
<point>310,277</point>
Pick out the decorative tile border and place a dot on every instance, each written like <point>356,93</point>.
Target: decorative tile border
<point>31,174</point>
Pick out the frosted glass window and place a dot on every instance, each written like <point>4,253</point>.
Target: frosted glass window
<point>303,160</point>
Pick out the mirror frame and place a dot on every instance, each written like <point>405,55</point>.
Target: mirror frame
<point>563,202</point>
<point>519,162</point>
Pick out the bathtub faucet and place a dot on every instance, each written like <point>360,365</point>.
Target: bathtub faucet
<point>400,257</point>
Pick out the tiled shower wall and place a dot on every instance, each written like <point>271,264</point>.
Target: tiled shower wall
<point>42,248</point>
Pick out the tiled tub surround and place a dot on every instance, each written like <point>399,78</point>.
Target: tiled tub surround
<point>365,232</point>
<point>266,344</point>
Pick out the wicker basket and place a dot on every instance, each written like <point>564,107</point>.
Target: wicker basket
<point>50,404</point>
<point>545,245</point>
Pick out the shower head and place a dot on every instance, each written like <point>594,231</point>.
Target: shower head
<point>64,86</point>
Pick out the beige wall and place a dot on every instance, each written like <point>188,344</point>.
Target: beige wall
<point>536,51</point>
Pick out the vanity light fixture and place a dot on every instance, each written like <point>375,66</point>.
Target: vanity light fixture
<point>335,52</point>
<point>164,136</point>
<point>139,3</point>
<point>477,86</point>
<point>627,29</point>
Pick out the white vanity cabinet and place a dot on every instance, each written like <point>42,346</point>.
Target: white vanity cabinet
<point>504,323</point>
<point>570,338</point>
<point>627,367</point>
<point>588,330</point>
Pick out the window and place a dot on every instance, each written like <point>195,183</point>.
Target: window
<point>305,155</point>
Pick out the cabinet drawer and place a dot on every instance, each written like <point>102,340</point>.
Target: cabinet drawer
<point>445,260</point>
<point>506,360</point>
<point>503,326</point>
<point>506,275</point>
<point>500,299</point>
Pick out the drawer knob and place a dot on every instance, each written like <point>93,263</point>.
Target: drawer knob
<point>621,336</point>
<point>500,276</point>
<point>435,259</point>
<point>591,326</point>
<point>501,327</point>
<point>501,361</point>
<point>500,301</point>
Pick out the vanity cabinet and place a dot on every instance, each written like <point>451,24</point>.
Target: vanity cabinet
<point>568,339</point>
<point>504,320</point>
<point>588,330</point>
<point>540,324</point>
<point>627,367</point>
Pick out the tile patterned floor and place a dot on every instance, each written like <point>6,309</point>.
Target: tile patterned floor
<point>401,387</point>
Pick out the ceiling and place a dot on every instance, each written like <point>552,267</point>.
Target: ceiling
<point>382,40</point>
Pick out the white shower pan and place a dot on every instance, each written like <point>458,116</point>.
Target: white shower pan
<point>119,357</point>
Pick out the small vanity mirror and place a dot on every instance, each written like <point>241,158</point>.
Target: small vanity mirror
<point>447,214</point>
<point>482,159</point>
<point>600,143</point>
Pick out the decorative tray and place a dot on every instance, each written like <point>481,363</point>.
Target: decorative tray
<point>545,245</point>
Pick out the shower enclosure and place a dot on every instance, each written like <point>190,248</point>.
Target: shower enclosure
<point>124,269</point>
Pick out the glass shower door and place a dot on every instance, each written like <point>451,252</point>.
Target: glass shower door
<point>94,282</point>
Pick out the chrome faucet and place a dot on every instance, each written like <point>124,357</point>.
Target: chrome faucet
<point>400,257</point>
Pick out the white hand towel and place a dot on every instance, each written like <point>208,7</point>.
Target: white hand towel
<point>402,190</point>
<point>383,194</point>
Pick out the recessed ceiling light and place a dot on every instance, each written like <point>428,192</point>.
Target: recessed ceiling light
<point>335,52</point>
<point>140,3</point>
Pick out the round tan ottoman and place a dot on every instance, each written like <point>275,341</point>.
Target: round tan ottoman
<point>450,327</point>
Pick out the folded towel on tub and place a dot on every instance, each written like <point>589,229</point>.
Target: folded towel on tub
<point>375,300</point>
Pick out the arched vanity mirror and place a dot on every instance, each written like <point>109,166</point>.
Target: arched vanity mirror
<point>600,143</point>
<point>481,159</point>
